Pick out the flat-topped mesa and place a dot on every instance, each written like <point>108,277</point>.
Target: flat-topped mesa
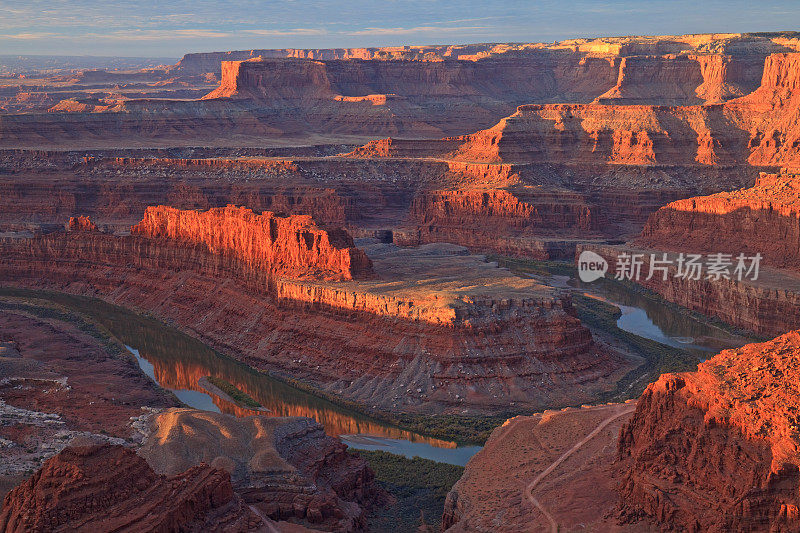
<point>759,129</point>
<point>292,247</point>
<point>762,219</point>
<point>82,224</point>
<point>717,449</point>
<point>781,71</point>
<point>498,82</point>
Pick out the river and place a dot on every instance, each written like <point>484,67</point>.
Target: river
<point>179,363</point>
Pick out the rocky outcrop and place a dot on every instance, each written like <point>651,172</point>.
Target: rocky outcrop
<point>81,223</point>
<point>592,134</point>
<point>110,488</point>
<point>291,247</point>
<point>435,329</point>
<point>762,219</point>
<point>717,449</point>
<point>770,112</point>
<point>285,467</point>
<point>682,80</point>
<point>541,473</point>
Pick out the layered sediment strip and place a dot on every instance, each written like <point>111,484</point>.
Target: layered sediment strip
<point>717,449</point>
<point>436,329</point>
<point>288,246</point>
<point>759,128</point>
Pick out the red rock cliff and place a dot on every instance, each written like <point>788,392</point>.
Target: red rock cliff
<point>717,449</point>
<point>762,219</point>
<point>288,246</point>
<point>110,488</point>
<point>81,223</point>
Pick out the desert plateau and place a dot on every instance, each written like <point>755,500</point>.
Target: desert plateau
<point>518,280</point>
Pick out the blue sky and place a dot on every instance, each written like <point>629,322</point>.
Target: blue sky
<point>172,28</point>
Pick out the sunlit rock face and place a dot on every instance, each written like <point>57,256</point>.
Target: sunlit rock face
<point>717,449</point>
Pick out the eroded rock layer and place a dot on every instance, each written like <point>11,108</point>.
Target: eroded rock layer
<point>759,128</point>
<point>762,219</point>
<point>435,327</point>
<point>110,488</point>
<point>284,467</point>
<point>479,205</point>
<point>288,246</point>
<point>412,91</point>
<point>717,449</point>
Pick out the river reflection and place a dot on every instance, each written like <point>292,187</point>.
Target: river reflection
<point>177,362</point>
<point>657,320</point>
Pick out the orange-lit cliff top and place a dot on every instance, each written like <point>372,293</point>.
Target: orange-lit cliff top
<point>291,246</point>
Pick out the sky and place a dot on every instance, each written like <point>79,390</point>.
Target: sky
<point>171,28</point>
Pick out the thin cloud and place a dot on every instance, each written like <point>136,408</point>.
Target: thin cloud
<point>416,29</point>
<point>293,31</point>
<point>158,35</point>
<point>29,36</point>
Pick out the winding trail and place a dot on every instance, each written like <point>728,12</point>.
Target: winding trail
<point>532,485</point>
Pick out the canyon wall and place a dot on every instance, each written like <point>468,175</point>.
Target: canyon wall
<point>470,337</point>
<point>102,488</point>
<point>504,80</point>
<point>770,113</point>
<point>291,247</point>
<point>682,80</point>
<point>769,306</point>
<point>717,449</point>
<point>757,129</point>
<point>406,199</point>
<point>409,91</point>
<point>762,219</point>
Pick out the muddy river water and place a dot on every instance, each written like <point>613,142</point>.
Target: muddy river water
<point>179,363</point>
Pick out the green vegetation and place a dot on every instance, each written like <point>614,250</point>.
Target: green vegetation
<point>231,390</point>
<point>601,317</point>
<point>530,266</point>
<point>100,319</point>
<point>419,485</point>
<point>659,358</point>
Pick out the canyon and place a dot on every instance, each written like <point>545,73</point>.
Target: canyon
<point>413,91</point>
<point>75,408</point>
<point>711,450</point>
<point>433,329</point>
<point>333,220</point>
